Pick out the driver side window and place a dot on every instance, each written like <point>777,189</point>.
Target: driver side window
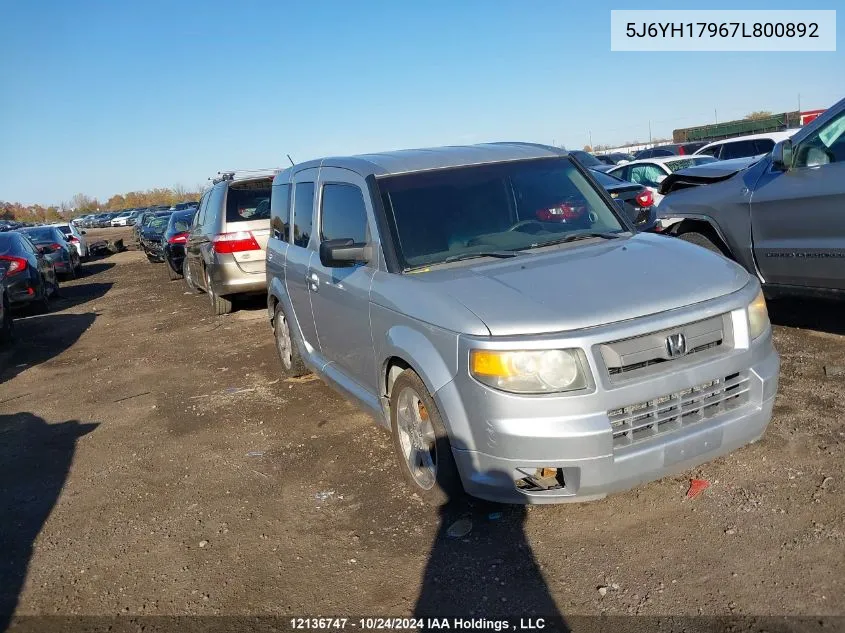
<point>826,145</point>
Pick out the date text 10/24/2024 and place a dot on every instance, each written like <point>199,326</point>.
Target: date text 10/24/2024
<point>417,624</point>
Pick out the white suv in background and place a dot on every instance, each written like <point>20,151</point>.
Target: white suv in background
<point>745,146</point>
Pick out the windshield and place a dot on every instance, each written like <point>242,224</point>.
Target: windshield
<point>41,235</point>
<point>585,158</point>
<point>692,161</point>
<point>451,213</point>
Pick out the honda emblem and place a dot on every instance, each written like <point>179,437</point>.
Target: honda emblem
<point>676,345</point>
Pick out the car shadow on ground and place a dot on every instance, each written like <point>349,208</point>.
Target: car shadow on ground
<point>35,458</point>
<point>488,573</point>
<point>94,267</point>
<point>824,315</point>
<point>77,294</point>
<point>38,339</point>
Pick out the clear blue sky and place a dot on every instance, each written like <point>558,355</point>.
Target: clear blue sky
<point>107,97</point>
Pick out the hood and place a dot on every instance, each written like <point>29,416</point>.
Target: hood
<point>588,285</point>
<point>706,173</point>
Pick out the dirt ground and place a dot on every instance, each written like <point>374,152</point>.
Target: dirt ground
<point>154,463</point>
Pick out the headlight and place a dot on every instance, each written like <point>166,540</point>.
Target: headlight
<point>758,316</point>
<point>541,371</point>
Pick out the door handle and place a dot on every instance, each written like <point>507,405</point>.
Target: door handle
<point>312,281</point>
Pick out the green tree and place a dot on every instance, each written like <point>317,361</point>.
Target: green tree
<point>758,114</point>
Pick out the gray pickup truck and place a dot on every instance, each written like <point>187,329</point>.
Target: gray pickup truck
<point>782,216</point>
<point>493,308</point>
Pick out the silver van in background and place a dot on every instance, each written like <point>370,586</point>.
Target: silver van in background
<point>224,252</point>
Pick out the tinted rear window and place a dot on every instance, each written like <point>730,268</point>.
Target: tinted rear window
<point>181,220</point>
<point>244,202</point>
<point>8,243</point>
<point>41,235</point>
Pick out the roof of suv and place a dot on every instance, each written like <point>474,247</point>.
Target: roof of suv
<point>412,160</point>
<point>774,136</point>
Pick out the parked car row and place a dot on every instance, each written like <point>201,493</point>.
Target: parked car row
<point>125,217</point>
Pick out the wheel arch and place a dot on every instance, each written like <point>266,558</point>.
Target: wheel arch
<point>706,226</point>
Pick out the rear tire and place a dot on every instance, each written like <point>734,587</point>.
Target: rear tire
<point>421,443</point>
<point>186,277</point>
<point>172,274</point>
<point>699,239</point>
<point>292,364</point>
<point>7,328</point>
<point>42,304</point>
<point>219,305</point>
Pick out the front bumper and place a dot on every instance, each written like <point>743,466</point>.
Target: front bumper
<point>499,438</point>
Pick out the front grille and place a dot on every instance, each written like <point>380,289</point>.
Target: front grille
<point>656,361</point>
<point>632,357</point>
<point>677,410</point>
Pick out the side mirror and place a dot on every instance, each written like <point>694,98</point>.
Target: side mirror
<point>782,155</point>
<point>342,252</point>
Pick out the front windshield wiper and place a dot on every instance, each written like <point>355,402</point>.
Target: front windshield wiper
<point>581,235</point>
<point>462,256</point>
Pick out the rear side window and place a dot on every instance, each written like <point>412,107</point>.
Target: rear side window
<point>764,145</point>
<point>248,201</point>
<point>344,214</point>
<point>280,212</point>
<point>739,149</point>
<point>213,208</point>
<point>303,210</point>
<point>621,174</point>
<point>200,216</point>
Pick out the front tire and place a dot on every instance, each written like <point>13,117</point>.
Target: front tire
<point>292,364</point>
<point>421,443</point>
<point>699,239</point>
